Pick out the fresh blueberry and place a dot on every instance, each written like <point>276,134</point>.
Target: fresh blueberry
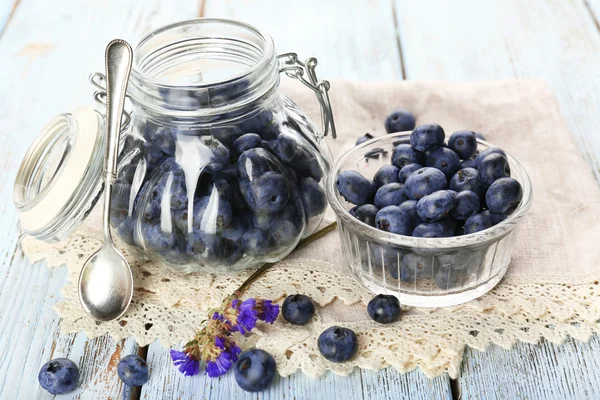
<point>384,309</point>
<point>298,309</point>
<point>284,147</point>
<point>168,243</point>
<point>353,210</point>
<point>405,154</point>
<point>496,218</point>
<point>254,163</point>
<point>355,188</point>
<point>410,207</point>
<point>391,194</point>
<point>236,230</point>
<point>313,197</point>
<point>226,134</point>
<point>399,121</point>
<point>212,214</point>
<point>364,138</point>
<point>468,163</point>
<point>467,204</point>
<point>306,163</point>
<point>443,159</point>
<point>269,192</point>
<point>464,143</point>
<point>450,278</point>
<point>487,152</point>
<point>433,230</point>
<point>435,206</point>
<point>424,181</point>
<point>477,222</point>
<point>386,174</point>
<point>255,370</point>
<point>256,242</point>
<point>284,234</point>
<point>338,344</point>
<point>415,266</point>
<point>220,153</point>
<point>264,123</point>
<point>366,213</point>
<point>407,170</point>
<point>427,137</point>
<point>402,140</point>
<point>245,142</point>
<point>504,196</point>
<point>493,167</point>
<point>133,370</point>
<point>467,179</point>
<point>382,256</point>
<point>393,219</point>
<point>59,376</point>
<point>293,212</point>
<point>207,247</point>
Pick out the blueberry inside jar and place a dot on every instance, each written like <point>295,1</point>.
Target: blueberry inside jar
<point>225,172</point>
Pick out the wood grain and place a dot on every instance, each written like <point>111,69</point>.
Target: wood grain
<point>7,9</point>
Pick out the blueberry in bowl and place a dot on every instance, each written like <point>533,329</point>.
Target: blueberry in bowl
<point>453,195</point>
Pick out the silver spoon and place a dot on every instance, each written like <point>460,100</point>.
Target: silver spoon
<point>106,282</point>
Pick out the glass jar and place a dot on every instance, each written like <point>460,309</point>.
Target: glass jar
<point>220,171</point>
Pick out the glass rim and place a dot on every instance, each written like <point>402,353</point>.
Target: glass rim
<point>478,238</point>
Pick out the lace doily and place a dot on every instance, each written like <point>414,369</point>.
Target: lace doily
<point>170,307</point>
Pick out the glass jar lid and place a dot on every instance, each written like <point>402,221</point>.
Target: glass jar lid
<point>59,180</point>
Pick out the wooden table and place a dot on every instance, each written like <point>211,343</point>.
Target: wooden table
<point>47,49</point>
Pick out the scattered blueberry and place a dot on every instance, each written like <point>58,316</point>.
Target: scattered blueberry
<point>133,370</point>
<point>407,170</point>
<point>492,167</point>
<point>355,188</point>
<point>427,137</point>
<point>399,121</point>
<point>436,206</point>
<point>338,344</point>
<point>394,220</point>
<point>386,174</point>
<point>366,213</point>
<point>405,154</point>
<point>464,143</point>
<point>364,138</point>
<point>384,309</point>
<point>443,159</point>
<point>391,194</point>
<point>467,204</point>
<point>423,182</point>
<point>477,222</point>
<point>255,370</point>
<point>504,196</point>
<point>59,376</point>
<point>298,309</point>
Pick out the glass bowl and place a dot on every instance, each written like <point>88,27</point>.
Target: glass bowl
<point>423,272</point>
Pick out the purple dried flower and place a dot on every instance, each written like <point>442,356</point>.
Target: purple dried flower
<point>267,311</point>
<point>186,364</point>
<point>245,315</point>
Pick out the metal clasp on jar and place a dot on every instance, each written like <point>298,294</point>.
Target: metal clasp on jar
<point>98,80</point>
<point>294,68</point>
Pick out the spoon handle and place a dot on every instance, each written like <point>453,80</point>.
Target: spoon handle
<point>118,66</point>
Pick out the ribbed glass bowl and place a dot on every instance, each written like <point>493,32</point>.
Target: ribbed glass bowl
<point>423,272</point>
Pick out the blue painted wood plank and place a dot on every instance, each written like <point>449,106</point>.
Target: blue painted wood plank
<point>7,7</point>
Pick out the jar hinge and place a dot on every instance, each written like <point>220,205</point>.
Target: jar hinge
<point>294,68</point>
<point>98,80</point>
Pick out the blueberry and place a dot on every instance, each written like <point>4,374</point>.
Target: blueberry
<point>416,267</point>
<point>405,154</point>
<point>477,222</point>
<point>384,309</point>
<point>353,210</point>
<point>255,370</point>
<point>268,193</point>
<point>256,242</point>
<point>391,194</point>
<point>245,142</point>
<point>212,214</point>
<point>386,174</point>
<point>306,163</point>
<point>496,218</point>
<point>133,370</point>
<point>383,256</point>
<point>407,170</point>
<point>284,147</point>
<point>366,213</point>
<point>467,204</point>
<point>207,247</point>
<point>427,137</point>
<point>355,188</point>
<point>424,181</point>
<point>364,138</point>
<point>284,234</point>
<point>464,143</point>
<point>125,229</point>
<point>264,123</point>
<point>220,153</point>
<point>410,207</point>
<point>313,197</point>
<point>338,344</point>
<point>294,212</point>
<point>443,159</point>
<point>492,167</point>
<point>467,179</point>
<point>393,219</point>
<point>435,206</point>
<point>254,163</point>
<point>468,163</point>
<point>487,152</point>
<point>226,134</point>
<point>298,309</point>
<point>504,196</point>
<point>236,230</point>
<point>169,244</point>
<point>433,230</point>
<point>449,278</point>
<point>399,121</point>
<point>59,376</point>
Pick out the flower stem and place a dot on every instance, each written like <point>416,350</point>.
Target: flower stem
<point>263,268</point>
